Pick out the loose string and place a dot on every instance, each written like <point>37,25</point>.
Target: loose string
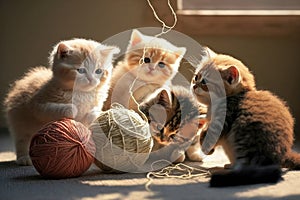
<point>165,29</point>
<point>179,171</point>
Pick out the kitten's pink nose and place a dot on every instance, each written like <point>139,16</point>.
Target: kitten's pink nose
<point>151,67</point>
<point>91,80</point>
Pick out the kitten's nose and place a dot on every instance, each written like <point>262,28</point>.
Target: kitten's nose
<point>151,67</point>
<point>195,87</point>
<point>90,79</point>
<point>162,137</point>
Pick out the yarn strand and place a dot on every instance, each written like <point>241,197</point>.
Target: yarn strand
<point>179,171</point>
<point>165,29</point>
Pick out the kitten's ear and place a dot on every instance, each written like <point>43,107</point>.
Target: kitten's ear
<point>202,121</point>
<point>136,37</point>
<point>232,75</point>
<point>63,50</point>
<point>180,52</point>
<point>210,53</point>
<point>164,99</point>
<point>109,51</point>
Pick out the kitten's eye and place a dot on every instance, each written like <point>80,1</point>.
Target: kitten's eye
<point>196,78</point>
<point>98,71</point>
<point>203,81</point>
<point>159,127</point>
<point>161,64</point>
<point>173,137</point>
<point>147,60</point>
<point>81,70</point>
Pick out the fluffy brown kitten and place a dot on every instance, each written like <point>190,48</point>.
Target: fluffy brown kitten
<point>174,118</point>
<point>258,127</point>
<point>74,87</point>
<point>149,63</point>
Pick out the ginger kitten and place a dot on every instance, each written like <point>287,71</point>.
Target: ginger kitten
<point>75,87</point>
<point>149,64</point>
<point>258,128</point>
<point>174,118</point>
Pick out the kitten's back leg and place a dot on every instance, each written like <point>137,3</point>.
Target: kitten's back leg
<point>22,127</point>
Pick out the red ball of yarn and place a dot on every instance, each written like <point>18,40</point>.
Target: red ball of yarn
<point>62,149</point>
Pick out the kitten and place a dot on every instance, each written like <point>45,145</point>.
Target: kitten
<point>174,118</point>
<point>258,128</point>
<point>74,87</point>
<point>143,72</point>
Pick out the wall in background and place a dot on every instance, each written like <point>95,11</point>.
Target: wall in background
<point>29,29</point>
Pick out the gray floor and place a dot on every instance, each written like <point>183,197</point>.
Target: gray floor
<point>25,183</point>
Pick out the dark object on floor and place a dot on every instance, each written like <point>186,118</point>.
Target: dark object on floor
<point>246,176</point>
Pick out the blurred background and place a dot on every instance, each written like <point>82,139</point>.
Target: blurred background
<point>269,45</point>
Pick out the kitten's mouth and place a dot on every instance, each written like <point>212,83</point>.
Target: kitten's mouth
<point>88,87</point>
<point>176,139</point>
<point>150,72</point>
<point>196,89</point>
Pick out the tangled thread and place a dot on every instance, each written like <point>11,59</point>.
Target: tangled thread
<point>179,171</point>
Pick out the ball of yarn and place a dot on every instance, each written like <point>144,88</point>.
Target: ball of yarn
<point>123,140</point>
<point>62,149</point>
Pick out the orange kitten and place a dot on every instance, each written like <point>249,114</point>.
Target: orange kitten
<point>74,87</point>
<point>143,71</point>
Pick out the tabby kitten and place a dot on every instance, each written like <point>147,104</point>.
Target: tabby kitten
<point>149,64</point>
<point>174,118</point>
<point>258,128</point>
<point>74,87</point>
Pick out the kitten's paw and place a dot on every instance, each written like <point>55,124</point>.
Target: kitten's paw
<point>228,166</point>
<point>70,111</point>
<point>91,116</point>
<point>180,159</point>
<point>177,156</point>
<point>195,157</point>
<point>194,153</point>
<point>24,160</point>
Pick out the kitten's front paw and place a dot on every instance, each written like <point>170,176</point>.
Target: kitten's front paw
<point>180,159</point>
<point>177,156</point>
<point>91,116</point>
<point>228,166</point>
<point>194,153</point>
<point>24,160</point>
<point>195,157</point>
<point>70,111</point>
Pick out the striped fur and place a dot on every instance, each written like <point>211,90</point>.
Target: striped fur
<point>174,120</point>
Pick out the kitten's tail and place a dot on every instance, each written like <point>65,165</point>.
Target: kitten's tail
<point>246,176</point>
<point>292,161</point>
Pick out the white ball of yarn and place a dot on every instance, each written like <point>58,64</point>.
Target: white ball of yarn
<point>123,140</point>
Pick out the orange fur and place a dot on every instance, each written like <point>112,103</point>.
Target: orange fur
<point>164,59</point>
